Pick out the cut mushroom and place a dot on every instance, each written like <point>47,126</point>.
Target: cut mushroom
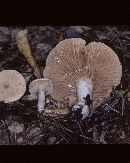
<point>41,87</point>
<point>83,73</point>
<point>24,48</point>
<point>12,86</point>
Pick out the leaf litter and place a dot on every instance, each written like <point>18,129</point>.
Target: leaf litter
<point>110,122</point>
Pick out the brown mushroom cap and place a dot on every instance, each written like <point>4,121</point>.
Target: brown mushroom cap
<point>12,86</point>
<point>38,84</point>
<point>71,60</point>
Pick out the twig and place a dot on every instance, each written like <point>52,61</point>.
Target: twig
<point>112,39</point>
<point>81,130</point>
<point>96,136</point>
<point>112,108</point>
<point>123,104</point>
<point>59,141</point>
<point>63,137</point>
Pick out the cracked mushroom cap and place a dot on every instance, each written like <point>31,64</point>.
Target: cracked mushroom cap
<point>12,86</point>
<point>71,60</point>
<point>38,84</point>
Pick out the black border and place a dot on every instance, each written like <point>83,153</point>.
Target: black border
<point>15,13</point>
<point>47,12</point>
<point>65,153</point>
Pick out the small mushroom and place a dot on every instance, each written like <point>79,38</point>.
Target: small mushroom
<point>16,128</point>
<point>41,87</point>
<point>82,73</point>
<point>12,86</point>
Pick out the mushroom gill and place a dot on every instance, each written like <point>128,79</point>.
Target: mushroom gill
<point>77,70</point>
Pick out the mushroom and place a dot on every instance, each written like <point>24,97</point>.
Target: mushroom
<point>41,87</point>
<point>24,48</point>
<point>82,73</point>
<point>16,127</point>
<point>12,86</point>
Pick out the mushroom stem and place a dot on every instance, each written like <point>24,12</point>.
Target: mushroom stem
<point>41,100</point>
<point>25,49</point>
<point>84,88</point>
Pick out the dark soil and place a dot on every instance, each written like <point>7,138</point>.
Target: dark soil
<point>109,124</point>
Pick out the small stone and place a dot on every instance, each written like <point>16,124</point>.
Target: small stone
<point>51,140</point>
<point>20,140</point>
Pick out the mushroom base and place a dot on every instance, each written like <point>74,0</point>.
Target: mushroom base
<point>84,95</point>
<point>84,88</point>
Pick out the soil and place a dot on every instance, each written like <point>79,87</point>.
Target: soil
<point>20,124</point>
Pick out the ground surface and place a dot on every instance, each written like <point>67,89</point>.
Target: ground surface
<point>19,121</point>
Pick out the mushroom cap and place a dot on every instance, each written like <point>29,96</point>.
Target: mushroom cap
<point>71,61</point>
<point>12,86</point>
<point>38,84</point>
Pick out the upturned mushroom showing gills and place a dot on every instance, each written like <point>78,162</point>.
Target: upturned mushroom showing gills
<point>41,87</point>
<point>82,73</point>
<point>12,86</point>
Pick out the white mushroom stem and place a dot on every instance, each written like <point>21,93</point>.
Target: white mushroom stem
<point>41,100</point>
<point>84,88</point>
<point>41,87</point>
